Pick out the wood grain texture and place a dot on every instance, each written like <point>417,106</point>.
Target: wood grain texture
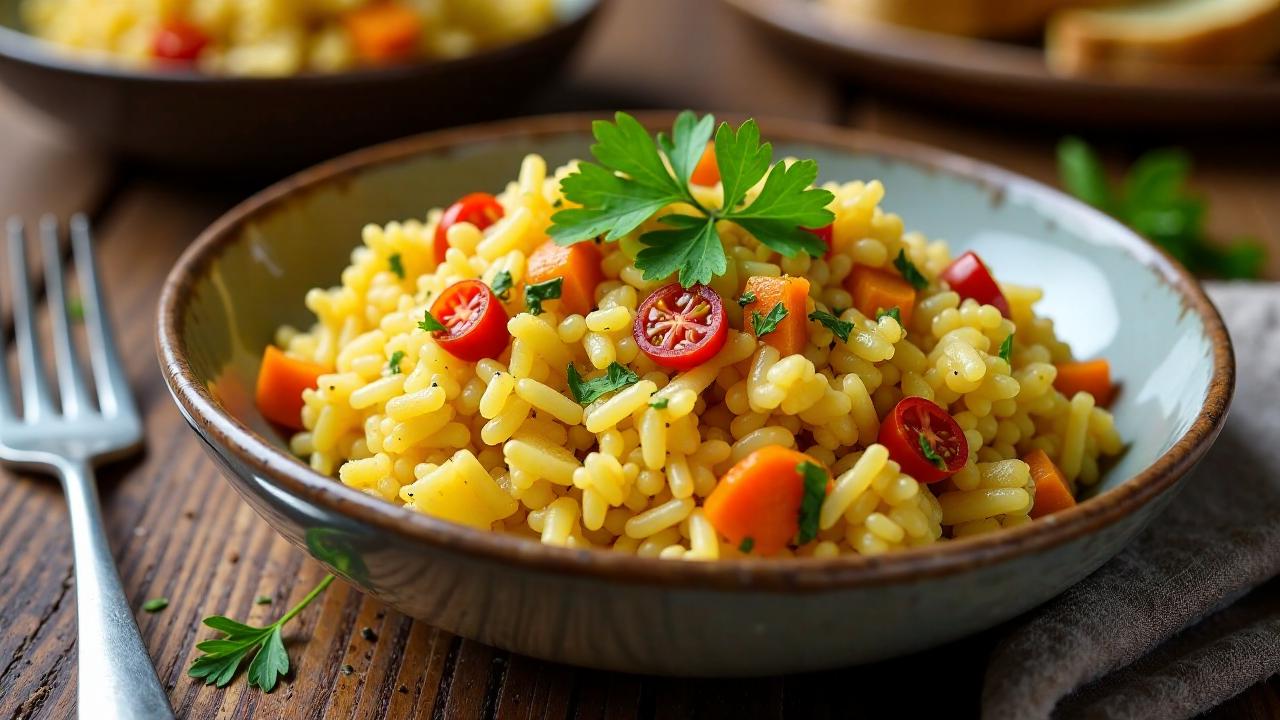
<point>179,531</point>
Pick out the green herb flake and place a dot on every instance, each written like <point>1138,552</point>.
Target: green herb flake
<point>839,327</point>
<point>909,271</point>
<point>393,365</point>
<point>746,299</point>
<point>660,404</point>
<point>1006,349</point>
<point>815,491</point>
<point>586,392</point>
<point>538,293</point>
<point>894,312</point>
<point>636,177</point>
<point>222,657</point>
<point>75,309</point>
<point>502,284</point>
<point>930,454</point>
<point>1153,199</point>
<point>155,605</point>
<point>764,324</point>
<point>262,600</point>
<point>397,265</point>
<point>429,323</point>
<point>747,545</point>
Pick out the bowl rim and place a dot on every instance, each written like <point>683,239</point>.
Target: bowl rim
<point>19,46</point>
<point>291,475</point>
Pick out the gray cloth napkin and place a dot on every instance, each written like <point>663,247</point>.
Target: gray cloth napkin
<point>1188,615</point>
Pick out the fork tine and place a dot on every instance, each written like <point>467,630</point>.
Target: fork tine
<point>108,372</point>
<point>71,387</point>
<point>36,401</point>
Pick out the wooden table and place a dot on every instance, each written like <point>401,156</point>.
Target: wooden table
<point>179,532</point>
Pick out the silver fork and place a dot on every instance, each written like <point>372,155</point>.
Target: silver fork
<point>116,676</point>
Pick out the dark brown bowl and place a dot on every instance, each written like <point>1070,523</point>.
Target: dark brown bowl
<point>239,124</point>
<point>248,273</point>
<point>1003,77</point>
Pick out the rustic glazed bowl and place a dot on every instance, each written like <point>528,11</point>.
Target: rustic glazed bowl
<point>1109,291</point>
<point>185,118</point>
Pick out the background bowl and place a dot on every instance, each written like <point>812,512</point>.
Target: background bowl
<point>1110,293</point>
<point>1004,77</point>
<point>185,118</point>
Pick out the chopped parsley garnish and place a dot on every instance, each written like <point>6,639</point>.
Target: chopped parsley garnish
<point>393,365</point>
<point>397,265</point>
<point>747,545</point>
<point>1006,348</point>
<point>536,294</point>
<point>1154,200</point>
<point>660,404</point>
<point>155,605</point>
<point>833,323</point>
<point>586,392</point>
<point>894,312</point>
<point>502,284</point>
<point>262,600</point>
<point>636,177</point>
<point>930,454</point>
<point>815,491</point>
<point>765,324</point>
<point>75,309</point>
<point>223,656</point>
<point>746,299</point>
<point>909,271</point>
<point>429,323</point>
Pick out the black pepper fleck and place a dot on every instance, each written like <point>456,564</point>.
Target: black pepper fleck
<point>368,634</point>
<point>346,669</point>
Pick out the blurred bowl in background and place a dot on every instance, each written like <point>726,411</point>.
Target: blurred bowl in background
<point>195,120</point>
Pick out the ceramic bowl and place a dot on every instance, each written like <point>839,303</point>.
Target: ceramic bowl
<point>239,124</point>
<point>1109,292</point>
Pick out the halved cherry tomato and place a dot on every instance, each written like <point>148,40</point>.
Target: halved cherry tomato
<point>826,234</point>
<point>479,209</point>
<point>681,328</point>
<point>475,321</point>
<point>969,278</point>
<point>179,41</point>
<point>914,418</point>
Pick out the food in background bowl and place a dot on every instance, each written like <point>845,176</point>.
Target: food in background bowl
<point>280,37</point>
<point>689,354</point>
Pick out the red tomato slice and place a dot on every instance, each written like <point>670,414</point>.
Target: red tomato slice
<point>969,277</point>
<point>479,209</point>
<point>826,234</point>
<point>910,420</point>
<point>681,328</point>
<point>179,41</point>
<point>475,321</point>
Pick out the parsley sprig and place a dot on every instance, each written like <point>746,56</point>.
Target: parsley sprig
<point>762,325</point>
<point>635,177</point>
<point>586,392</point>
<point>223,656</point>
<point>1154,200</point>
<point>838,327</point>
<point>909,271</point>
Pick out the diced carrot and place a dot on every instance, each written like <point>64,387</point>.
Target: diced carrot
<point>1091,376</point>
<point>1052,492</point>
<point>281,381</point>
<point>874,290</point>
<point>707,171</point>
<point>793,331</point>
<point>759,498</point>
<point>578,264</point>
<point>384,33</point>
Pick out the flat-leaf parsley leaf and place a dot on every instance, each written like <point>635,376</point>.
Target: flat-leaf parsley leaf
<point>909,271</point>
<point>746,299</point>
<point>536,294</point>
<point>586,392</point>
<point>223,656</point>
<point>430,323</point>
<point>396,264</point>
<point>894,312</point>
<point>764,324</point>
<point>502,284</point>
<point>393,364</point>
<point>636,177</point>
<point>839,327</point>
<point>660,404</point>
<point>1006,348</point>
<point>815,491</point>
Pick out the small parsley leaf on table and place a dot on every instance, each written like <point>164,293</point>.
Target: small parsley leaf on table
<point>586,392</point>
<point>155,605</point>
<point>762,325</point>
<point>221,657</point>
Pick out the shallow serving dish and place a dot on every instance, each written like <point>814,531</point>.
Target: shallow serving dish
<point>186,118</point>
<point>1109,292</point>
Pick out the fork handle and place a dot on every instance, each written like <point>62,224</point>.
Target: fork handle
<point>117,680</point>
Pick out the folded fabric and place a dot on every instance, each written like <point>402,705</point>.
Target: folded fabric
<point>1185,617</point>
